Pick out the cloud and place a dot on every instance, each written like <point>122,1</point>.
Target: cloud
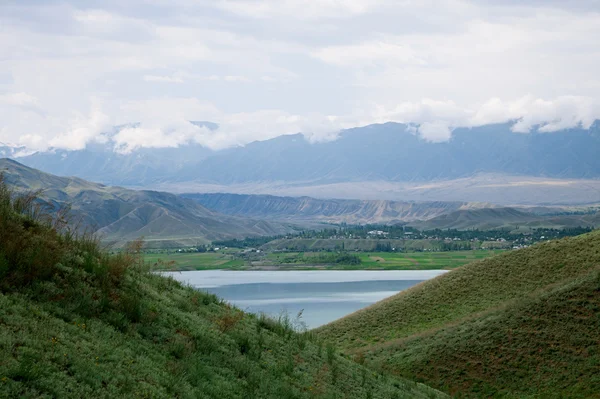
<point>438,118</point>
<point>235,78</point>
<point>83,129</point>
<point>163,79</point>
<point>148,136</point>
<point>435,132</point>
<point>314,9</point>
<point>563,112</point>
<point>369,54</point>
<point>22,101</point>
<point>165,122</point>
<point>261,68</point>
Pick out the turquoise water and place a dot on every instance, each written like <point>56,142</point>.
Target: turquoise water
<point>321,296</point>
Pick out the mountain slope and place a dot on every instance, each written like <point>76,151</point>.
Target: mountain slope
<point>504,218</point>
<point>79,323</point>
<point>547,285</point>
<point>121,215</point>
<point>334,210</point>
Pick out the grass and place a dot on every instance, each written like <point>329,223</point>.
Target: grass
<point>541,346</point>
<point>522,324</point>
<point>193,261</point>
<point>422,260</point>
<point>300,260</point>
<point>76,322</point>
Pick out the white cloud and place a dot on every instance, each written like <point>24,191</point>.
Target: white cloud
<point>314,9</point>
<point>20,100</point>
<point>83,129</point>
<point>236,78</point>
<point>436,132</point>
<point>264,68</point>
<point>369,54</point>
<point>163,79</point>
<point>148,136</point>
<point>438,118</point>
<point>550,115</point>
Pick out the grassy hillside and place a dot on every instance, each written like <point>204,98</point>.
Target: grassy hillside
<point>545,345</point>
<point>76,322</point>
<point>120,215</point>
<point>521,323</point>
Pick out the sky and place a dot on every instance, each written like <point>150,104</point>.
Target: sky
<point>72,70</point>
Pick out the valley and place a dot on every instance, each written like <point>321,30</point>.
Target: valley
<point>278,279</point>
<point>327,199</point>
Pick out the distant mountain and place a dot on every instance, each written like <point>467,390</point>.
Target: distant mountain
<point>335,211</point>
<point>99,162</point>
<point>391,152</point>
<point>11,150</point>
<point>384,161</point>
<point>120,215</point>
<point>509,218</point>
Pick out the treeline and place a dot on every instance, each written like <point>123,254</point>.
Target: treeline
<point>248,242</point>
<point>399,232</point>
<point>396,232</point>
<point>328,258</point>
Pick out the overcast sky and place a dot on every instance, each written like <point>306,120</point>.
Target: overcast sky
<point>69,70</point>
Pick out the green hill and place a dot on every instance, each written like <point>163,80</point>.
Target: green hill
<point>524,323</point>
<point>120,215</point>
<point>78,323</point>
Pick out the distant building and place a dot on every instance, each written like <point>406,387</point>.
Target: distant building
<point>377,233</point>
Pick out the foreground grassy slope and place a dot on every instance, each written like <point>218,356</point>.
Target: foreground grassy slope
<point>75,322</point>
<point>547,345</point>
<point>522,323</point>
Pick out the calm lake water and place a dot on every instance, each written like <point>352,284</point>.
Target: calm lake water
<point>323,296</point>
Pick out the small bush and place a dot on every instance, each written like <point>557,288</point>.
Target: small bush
<point>229,320</point>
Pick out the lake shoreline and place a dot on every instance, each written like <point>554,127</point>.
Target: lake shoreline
<point>321,296</point>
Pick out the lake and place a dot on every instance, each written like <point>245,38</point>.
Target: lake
<point>322,295</point>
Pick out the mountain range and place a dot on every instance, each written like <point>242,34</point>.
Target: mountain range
<point>297,209</point>
<point>506,218</point>
<point>489,163</point>
<point>119,215</point>
<point>422,215</point>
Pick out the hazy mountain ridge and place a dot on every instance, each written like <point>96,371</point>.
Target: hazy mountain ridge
<point>505,217</point>
<point>334,210</point>
<point>105,163</point>
<point>390,152</point>
<point>387,152</point>
<point>120,215</point>
<point>422,215</point>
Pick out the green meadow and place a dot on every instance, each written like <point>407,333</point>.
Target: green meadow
<point>193,261</point>
<point>302,260</point>
<point>422,260</point>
